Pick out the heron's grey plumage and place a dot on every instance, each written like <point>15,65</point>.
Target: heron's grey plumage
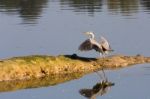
<point>105,45</point>
<point>102,47</point>
<point>90,44</point>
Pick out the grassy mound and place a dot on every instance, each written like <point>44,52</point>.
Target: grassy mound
<point>39,66</point>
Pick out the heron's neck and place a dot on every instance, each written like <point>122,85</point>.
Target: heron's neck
<point>92,36</point>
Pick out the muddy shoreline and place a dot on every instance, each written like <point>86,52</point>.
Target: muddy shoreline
<point>39,66</point>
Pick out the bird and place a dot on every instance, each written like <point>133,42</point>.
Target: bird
<point>98,89</point>
<point>103,47</point>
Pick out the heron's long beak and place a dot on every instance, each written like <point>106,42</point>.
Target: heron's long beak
<point>86,33</point>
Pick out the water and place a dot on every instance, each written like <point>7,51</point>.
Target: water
<point>132,82</point>
<point>54,27</point>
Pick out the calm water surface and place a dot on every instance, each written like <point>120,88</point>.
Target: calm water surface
<point>54,27</point>
<point>130,83</point>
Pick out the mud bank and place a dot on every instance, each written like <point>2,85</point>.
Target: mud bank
<point>39,66</point>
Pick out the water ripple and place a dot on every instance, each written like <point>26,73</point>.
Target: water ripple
<point>31,10</point>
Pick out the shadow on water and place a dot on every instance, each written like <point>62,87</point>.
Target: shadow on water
<point>98,89</point>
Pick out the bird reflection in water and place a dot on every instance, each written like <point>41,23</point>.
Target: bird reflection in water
<point>98,89</point>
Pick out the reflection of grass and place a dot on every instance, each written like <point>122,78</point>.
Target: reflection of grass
<point>35,83</point>
<point>37,66</point>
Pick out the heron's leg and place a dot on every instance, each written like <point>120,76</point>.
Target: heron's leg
<point>101,77</point>
<point>102,55</point>
<point>104,75</point>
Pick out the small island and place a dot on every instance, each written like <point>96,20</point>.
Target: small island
<point>42,70</point>
<point>39,66</point>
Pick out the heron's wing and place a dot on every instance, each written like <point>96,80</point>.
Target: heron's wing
<point>105,44</point>
<point>90,44</point>
<point>96,46</point>
<point>86,45</point>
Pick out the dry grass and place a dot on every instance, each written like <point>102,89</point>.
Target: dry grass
<point>38,66</point>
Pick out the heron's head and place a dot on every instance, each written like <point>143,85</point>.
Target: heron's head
<point>91,34</point>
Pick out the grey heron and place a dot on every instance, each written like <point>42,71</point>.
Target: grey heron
<point>103,47</point>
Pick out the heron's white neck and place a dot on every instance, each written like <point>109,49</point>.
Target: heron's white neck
<point>92,36</point>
